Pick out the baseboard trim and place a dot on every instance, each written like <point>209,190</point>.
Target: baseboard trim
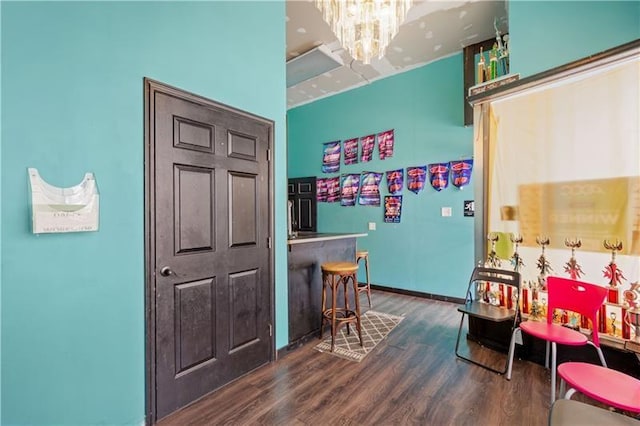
<point>314,335</point>
<point>281,352</point>
<point>292,346</point>
<point>420,294</point>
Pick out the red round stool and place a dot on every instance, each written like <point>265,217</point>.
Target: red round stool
<point>605,385</point>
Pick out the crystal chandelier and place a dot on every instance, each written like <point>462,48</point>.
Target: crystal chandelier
<point>364,27</point>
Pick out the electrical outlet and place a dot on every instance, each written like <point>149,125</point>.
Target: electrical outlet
<point>372,226</point>
<point>446,211</point>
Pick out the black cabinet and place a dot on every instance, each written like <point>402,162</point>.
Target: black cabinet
<point>302,193</point>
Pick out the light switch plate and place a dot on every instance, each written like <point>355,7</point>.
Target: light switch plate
<point>446,211</point>
<point>372,226</point>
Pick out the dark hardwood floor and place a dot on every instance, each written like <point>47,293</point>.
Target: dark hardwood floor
<point>411,377</point>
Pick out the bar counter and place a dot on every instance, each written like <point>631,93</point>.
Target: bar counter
<point>313,237</point>
<point>307,251</point>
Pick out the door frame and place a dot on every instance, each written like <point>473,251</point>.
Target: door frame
<point>150,87</point>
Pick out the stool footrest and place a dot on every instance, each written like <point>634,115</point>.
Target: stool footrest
<point>341,314</point>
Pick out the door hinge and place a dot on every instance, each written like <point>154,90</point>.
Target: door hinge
<point>268,154</point>
<point>270,330</point>
<point>269,242</point>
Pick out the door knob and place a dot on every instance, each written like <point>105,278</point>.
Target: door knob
<point>166,271</point>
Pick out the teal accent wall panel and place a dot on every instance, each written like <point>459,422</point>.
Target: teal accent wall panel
<point>0,222</point>
<point>547,34</point>
<point>72,102</point>
<point>425,252</point>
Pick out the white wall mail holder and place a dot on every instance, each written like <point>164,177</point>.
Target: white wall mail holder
<point>56,210</point>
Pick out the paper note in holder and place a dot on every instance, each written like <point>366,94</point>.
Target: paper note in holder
<point>73,209</point>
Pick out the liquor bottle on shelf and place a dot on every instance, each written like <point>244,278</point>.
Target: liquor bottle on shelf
<point>480,77</point>
<point>493,62</point>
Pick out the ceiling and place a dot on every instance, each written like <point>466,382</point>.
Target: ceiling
<point>433,29</point>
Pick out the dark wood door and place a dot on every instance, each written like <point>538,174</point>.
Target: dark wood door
<point>302,192</point>
<point>211,235</point>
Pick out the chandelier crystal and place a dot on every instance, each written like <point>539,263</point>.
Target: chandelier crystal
<point>364,27</point>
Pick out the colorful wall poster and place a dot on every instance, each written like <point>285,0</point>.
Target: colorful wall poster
<point>439,175</point>
<point>350,147</point>
<point>331,157</point>
<point>385,144</point>
<point>321,190</point>
<point>333,189</point>
<point>395,179</point>
<point>416,176</point>
<point>367,144</point>
<point>392,208</point>
<point>349,185</point>
<point>461,172</point>
<point>370,189</point>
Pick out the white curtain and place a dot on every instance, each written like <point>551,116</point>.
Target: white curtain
<point>564,161</point>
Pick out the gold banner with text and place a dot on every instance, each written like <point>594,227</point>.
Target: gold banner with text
<point>591,210</point>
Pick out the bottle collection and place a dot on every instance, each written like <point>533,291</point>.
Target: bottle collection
<point>497,64</point>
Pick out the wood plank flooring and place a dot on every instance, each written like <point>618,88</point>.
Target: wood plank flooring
<point>411,377</point>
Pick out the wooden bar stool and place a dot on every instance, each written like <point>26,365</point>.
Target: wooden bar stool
<point>364,254</point>
<point>334,274</point>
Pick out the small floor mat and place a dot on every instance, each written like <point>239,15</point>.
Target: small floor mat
<point>375,327</point>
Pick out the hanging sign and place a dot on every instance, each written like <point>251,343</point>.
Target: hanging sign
<point>331,157</point>
<point>333,189</point>
<point>392,208</point>
<point>416,177</point>
<point>461,172</point>
<point>439,175</point>
<point>350,147</point>
<point>394,181</point>
<point>385,144</point>
<point>366,150</point>
<point>370,189</point>
<point>321,190</point>
<point>349,189</point>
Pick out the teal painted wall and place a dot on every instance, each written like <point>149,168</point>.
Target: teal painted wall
<point>547,34</point>
<point>72,102</point>
<point>425,252</point>
<point>0,223</point>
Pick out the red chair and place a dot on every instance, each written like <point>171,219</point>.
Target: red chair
<point>572,295</point>
<point>605,385</point>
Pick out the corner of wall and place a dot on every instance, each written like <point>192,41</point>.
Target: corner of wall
<point>1,26</point>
